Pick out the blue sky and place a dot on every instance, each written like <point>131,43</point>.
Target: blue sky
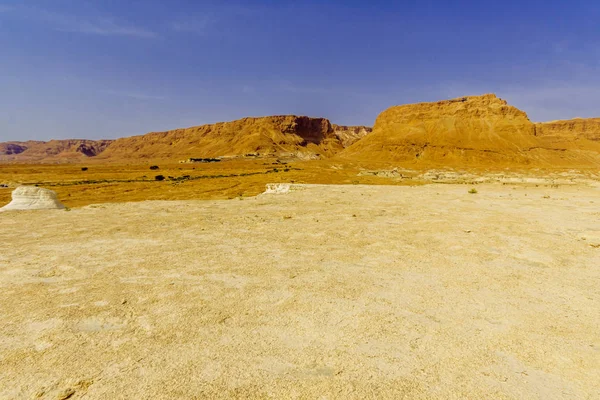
<point>111,68</point>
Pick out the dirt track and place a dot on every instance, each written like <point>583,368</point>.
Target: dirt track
<point>329,292</point>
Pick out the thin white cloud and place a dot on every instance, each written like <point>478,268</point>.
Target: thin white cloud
<point>106,26</point>
<point>197,25</point>
<point>560,47</point>
<point>287,86</point>
<point>133,95</point>
<point>203,24</point>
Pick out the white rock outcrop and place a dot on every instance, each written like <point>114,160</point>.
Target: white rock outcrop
<point>277,188</point>
<point>283,188</point>
<point>393,173</point>
<point>33,198</point>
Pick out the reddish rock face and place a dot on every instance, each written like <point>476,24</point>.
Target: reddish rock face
<point>275,135</point>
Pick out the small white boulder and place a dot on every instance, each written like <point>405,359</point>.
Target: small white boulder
<point>33,198</point>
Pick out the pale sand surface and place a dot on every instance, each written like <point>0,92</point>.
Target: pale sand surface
<point>332,292</point>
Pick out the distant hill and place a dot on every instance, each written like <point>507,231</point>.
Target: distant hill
<point>14,148</point>
<point>475,130</point>
<point>468,131</point>
<point>70,150</point>
<point>286,135</point>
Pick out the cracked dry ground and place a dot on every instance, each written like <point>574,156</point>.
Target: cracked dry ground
<point>328,292</point>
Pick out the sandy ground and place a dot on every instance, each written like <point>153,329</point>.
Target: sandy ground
<point>332,292</point>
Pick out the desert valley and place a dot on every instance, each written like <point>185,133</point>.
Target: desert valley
<point>451,251</point>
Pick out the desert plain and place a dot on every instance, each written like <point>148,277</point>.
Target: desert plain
<point>326,291</point>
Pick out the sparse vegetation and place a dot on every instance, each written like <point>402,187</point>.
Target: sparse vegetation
<point>473,191</point>
<point>202,160</point>
<point>159,178</point>
<point>84,168</point>
<point>154,167</point>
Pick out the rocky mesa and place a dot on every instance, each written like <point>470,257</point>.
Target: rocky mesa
<point>474,130</point>
<point>466,128</point>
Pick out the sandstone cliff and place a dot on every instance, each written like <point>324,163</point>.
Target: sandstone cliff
<point>475,130</point>
<point>577,136</point>
<point>578,128</point>
<point>275,135</point>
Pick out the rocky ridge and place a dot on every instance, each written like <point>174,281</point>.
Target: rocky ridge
<point>300,136</point>
<point>286,135</point>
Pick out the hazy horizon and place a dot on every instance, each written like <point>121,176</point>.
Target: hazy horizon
<point>89,70</point>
